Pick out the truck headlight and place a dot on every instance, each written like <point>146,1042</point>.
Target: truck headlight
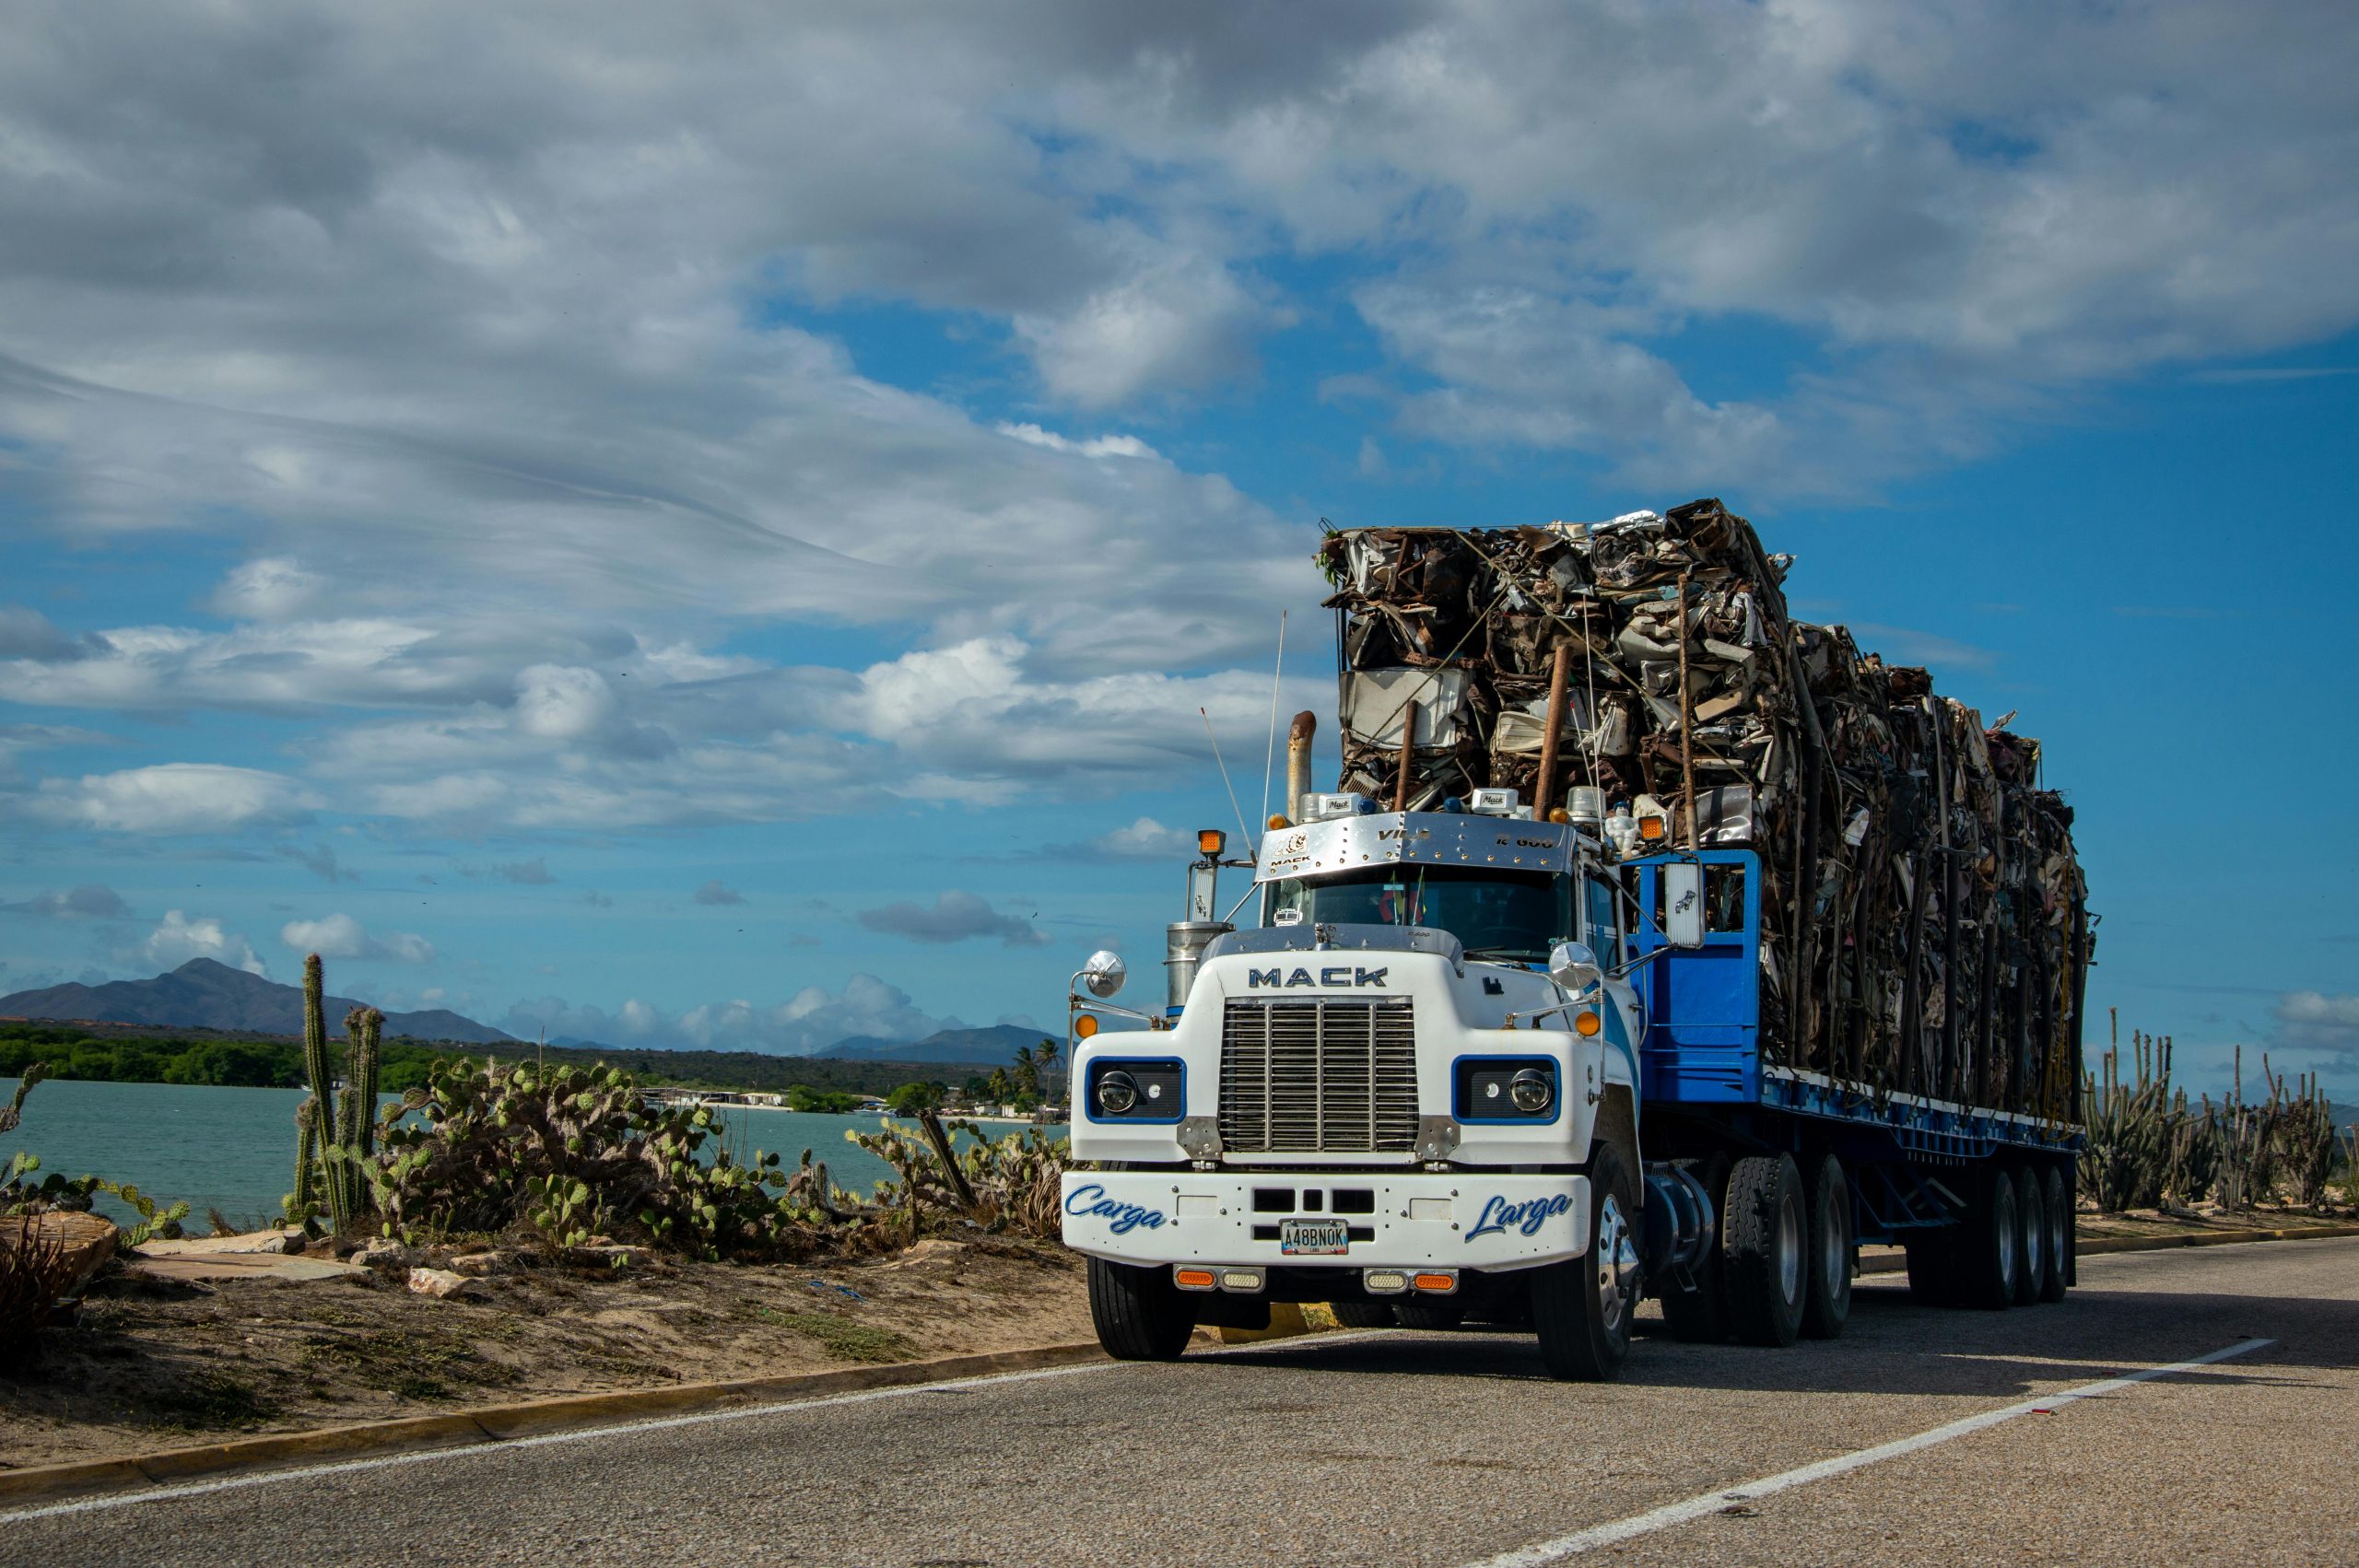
<point>1504,1089</point>
<point>1136,1089</point>
<point>1531,1091</point>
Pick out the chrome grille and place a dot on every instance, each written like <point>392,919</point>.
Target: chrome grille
<point>1304,1076</point>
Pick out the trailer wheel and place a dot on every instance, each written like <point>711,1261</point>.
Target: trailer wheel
<point>1700,1317</point>
<point>1140,1314</point>
<point>1990,1244</point>
<point>1429,1315</point>
<point>2060,1235</point>
<point>1828,1305</point>
<point>1766,1237</point>
<point>1362,1314</point>
<point>1581,1308</point>
<point>2031,1211</point>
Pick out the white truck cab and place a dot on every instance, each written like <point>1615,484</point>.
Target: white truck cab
<point>1411,1092</point>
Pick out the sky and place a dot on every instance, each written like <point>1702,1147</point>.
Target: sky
<point>706,525</point>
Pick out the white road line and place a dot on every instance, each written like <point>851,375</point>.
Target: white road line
<point>143,1496</point>
<point>1696,1507</point>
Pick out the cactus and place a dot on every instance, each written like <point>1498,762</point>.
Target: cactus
<point>2133,1132</point>
<point>2306,1141</point>
<point>336,1132</point>
<point>2195,1152</point>
<point>315,1068</point>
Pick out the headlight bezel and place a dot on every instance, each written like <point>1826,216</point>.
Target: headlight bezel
<point>1482,1090</point>
<point>1159,1085</point>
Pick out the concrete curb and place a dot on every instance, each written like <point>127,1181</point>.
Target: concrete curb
<point>494,1425</point>
<point>2097,1245</point>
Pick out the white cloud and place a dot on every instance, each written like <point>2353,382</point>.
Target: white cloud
<point>88,903</point>
<point>956,915</point>
<point>1096,446</point>
<point>179,797</point>
<point>714,893</point>
<point>178,939</point>
<point>341,936</point>
<point>1144,839</point>
<point>813,1019</point>
<point>2319,1022</point>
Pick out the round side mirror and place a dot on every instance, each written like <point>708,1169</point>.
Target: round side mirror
<point>1572,966</point>
<point>1104,973</point>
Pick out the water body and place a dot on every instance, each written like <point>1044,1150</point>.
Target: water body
<point>234,1149</point>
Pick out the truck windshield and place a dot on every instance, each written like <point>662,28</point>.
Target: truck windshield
<point>1496,915</point>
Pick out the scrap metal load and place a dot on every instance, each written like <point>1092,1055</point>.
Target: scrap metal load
<point>1923,921</point>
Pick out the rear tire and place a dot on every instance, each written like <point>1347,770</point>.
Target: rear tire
<point>1766,1238</point>
<point>1429,1315</point>
<point>1362,1314</point>
<point>2031,1209</point>
<point>1700,1317</point>
<point>1140,1314</point>
<point>2060,1233</point>
<point>1828,1305</point>
<point>1990,1242</point>
<point>1581,1308</point>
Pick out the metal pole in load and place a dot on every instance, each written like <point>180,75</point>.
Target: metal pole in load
<point>1298,735</point>
<point>1559,672</point>
<point>1408,755</point>
<point>1687,717</point>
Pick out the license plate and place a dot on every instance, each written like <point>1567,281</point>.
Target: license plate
<point>1313,1238</point>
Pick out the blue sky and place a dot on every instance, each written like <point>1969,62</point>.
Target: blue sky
<point>720,532</point>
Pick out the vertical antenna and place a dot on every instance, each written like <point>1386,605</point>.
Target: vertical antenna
<point>1249,847</point>
<point>1270,763</point>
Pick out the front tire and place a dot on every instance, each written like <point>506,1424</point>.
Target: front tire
<point>1139,1313</point>
<point>1581,1308</point>
<point>1829,1306</point>
<point>1766,1237</point>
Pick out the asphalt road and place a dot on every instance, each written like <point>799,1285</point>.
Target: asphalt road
<point>1444,1450</point>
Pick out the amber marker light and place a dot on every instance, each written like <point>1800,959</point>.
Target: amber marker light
<point>1586,1023</point>
<point>1277,821</point>
<point>1193,1279</point>
<point>1650,827</point>
<point>1085,1025</point>
<point>1210,842</point>
<point>1436,1281</point>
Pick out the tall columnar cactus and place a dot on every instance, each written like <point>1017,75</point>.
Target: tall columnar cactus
<point>2134,1129</point>
<point>300,1201</point>
<point>324,1128</point>
<point>2305,1134</point>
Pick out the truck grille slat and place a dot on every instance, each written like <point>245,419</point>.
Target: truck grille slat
<point>1308,1076</point>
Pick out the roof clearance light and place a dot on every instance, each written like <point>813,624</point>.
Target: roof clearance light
<point>1586,1023</point>
<point>1085,1025</point>
<point>1278,820</point>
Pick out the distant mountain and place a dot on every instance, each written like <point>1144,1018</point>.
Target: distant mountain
<point>201,994</point>
<point>994,1047</point>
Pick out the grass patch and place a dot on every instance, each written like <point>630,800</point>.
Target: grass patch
<point>212,1399</point>
<point>842,1336</point>
<point>410,1364</point>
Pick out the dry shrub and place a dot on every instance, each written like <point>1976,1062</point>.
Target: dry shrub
<point>34,1274</point>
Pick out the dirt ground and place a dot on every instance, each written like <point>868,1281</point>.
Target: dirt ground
<point>2207,1218</point>
<point>164,1363</point>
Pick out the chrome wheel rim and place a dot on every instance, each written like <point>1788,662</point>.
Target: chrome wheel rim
<point>2008,1228</point>
<point>1834,1263</point>
<point>2036,1244</point>
<point>1617,1266</point>
<point>1789,1249</point>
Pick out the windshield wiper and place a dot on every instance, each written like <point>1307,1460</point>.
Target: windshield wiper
<point>1512,955</point>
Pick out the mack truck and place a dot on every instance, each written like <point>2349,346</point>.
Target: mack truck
<point>1528,1056</point>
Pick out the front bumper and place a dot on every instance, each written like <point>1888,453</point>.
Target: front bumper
<point>1457,1220</point>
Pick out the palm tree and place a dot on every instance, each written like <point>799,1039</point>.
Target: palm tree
<point>1027,1076</point>
<point>1045,1056</point>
